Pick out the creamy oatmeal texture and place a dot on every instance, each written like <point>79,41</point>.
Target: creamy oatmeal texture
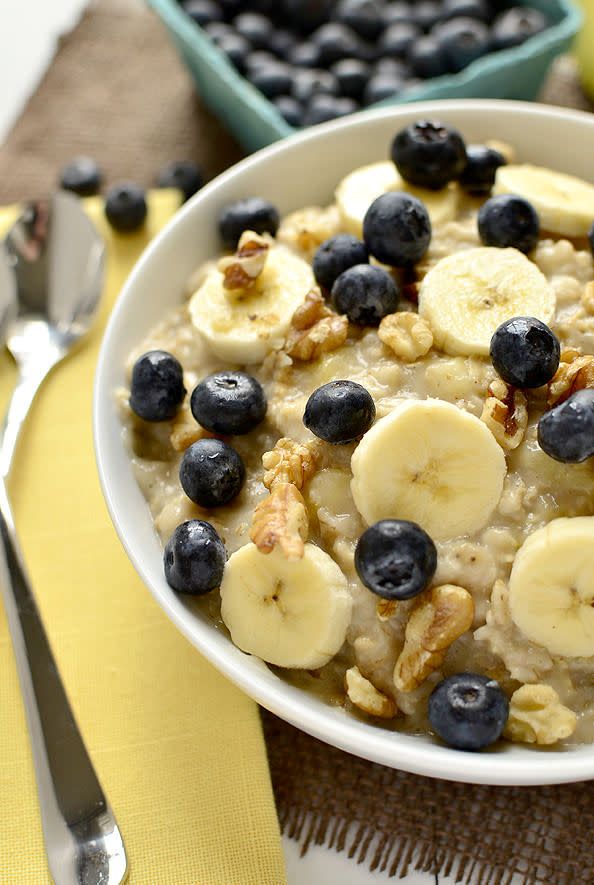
<point>428,364</point>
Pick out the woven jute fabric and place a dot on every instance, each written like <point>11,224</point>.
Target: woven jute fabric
<point>117,92</point>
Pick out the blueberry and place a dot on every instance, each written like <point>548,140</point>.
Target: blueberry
<point>363,16</point>
<point>352,75</point>
<point>591,238</point>
<point>382,86</point>
<point>399,11</point>
<point>566,432</point>
<point>328,107</point>
<point>335,256</point>
<point>507,220</point>
<point>429,154</point>
<point>305,15</point>
<point>194,558</point>
<point>236,48</point>
<point>251,213</point>
<point>396,229</point>
<point>257,60</point>
<point>282,42</point>
<point>481,165</point>
<point>336,41</point>
<point>426,58</point>
<point>255,28</point>
<point>182,174</point>
<point>478,9</point>
<point>462,40</point>
<point>468,711</point>
<point>309,83</point>
<point>289,108</point>
<point>365,293</point>
<point>426,14</point>
<point>230,403</point>
<point>157,387</point>
<point>203,12</point>
<point>395,559</point>
<point>398,38</point>
<point>389,65</point>
<point>230,8</point>
<point>125,207</point>
<point>211,473</point>
<point>304,55</point>
<point>516,25</point>
<point>339,412</point>
<point>82,176</point>
<point>217,31</point>
<point>525,352</point>
<point>273,79</point>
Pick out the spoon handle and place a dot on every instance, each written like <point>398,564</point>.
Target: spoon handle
<point>83,842</point>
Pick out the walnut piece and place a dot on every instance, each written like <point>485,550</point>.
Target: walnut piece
<point>407,334</point>
<point>316,329</point>
<point>306,229</point>
<point>537,716</point>
<point>185,431</point>
<point>588,298</point>
<point>364,695</point>
<point>439,617</point>
<point>240,271</point>
<point>505,413</point>
<point>386,609</point>
<point>575,372</point>
<point>281,519</point>
<point>291,462</point>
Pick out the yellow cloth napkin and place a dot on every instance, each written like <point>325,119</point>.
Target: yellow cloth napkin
<point>178,749</point>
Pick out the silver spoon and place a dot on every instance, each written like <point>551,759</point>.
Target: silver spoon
<point>57,260</point>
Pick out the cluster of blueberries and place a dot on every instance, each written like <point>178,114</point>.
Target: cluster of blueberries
<point>321,59</point>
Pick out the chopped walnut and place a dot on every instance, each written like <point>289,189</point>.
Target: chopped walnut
<point>505,413</point>
<point>440,616</point>
<point>291,462</point>
<point>407,334</point>
<point>386,609</point>
<point>316,329</point>
<point>588,298</point>
<point>306,229</point>
<point>186,431</point>
<point>364,695</point>
<point>240,271</point>
<point>575,372</point>
<point>537,716</point>
<point>281,519</point>
<point>313,309</point>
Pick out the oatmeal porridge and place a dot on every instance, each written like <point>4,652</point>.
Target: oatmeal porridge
<point>366,441</point>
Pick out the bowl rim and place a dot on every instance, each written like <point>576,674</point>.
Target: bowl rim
<point>291,704</point>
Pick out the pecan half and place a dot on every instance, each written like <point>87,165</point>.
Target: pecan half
<point>407,334</point>
<point>440,616</point>
<point>289,461</point>
<point>575,372</point>
<point>364,695</point>
<point>316,329</point>
<point>281,519</point>
<point>505,413</point>
<point>240,271</point>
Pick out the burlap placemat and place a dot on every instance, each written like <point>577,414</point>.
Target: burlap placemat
<point>116,91</point>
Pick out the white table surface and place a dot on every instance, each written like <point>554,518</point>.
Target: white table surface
<point>28,33</point>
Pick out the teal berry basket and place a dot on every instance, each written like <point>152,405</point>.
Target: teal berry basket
<point>516,73</point>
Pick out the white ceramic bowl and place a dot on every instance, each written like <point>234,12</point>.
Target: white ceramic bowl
<point>301,171</point>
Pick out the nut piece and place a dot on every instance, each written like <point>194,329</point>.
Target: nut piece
<point>306,229</point>
<point>364,695</point>
<point>291,462</point>
<point>588,298</point>
<point>240,271</point>
<point>316,329</point>
<point>537,716</point>
<point>441,615</point>
<point>575,372</point>
<point>505,413</point>
<point>186,431</point>
<point>313,309</point>
<point>407,334</point>
<point>281,519</point>
<point>386,609</point>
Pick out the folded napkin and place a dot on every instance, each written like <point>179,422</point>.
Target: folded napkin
<point>178,749</point>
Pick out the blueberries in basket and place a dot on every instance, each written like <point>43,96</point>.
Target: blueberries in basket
<point>365,293</point>
<point>382,86</point>
<point>289,108</point>
<point>251,213</point>
<point>468,711</point>
<point>462,40</point>
<point>396,40</point>
<point>125,207</point>
<point>305,15</point>
<point>525,352</point>
<point>478,9</point>
<point>507,220</point>
<point>352,75</point>
<point>482,164</point>
<point>336,41</point>
<point>566,432</point>
<point>305,55</point>
<point>194,558</point>
<point>273,79</point>
<point>429,154</point>
<point>230,8</point>
<point>309,83</point>
<point>211,473</point>
<point>426,14</point>
<point>282,42</point>
<point>516,25</point>
<point>82,176</point>
<point>230,403</point>
<point>363,16</point>
<point>335,256</point>
<point>328,107</point>
<point>591,238</point>
<point>259,59</point>
<point>399,11</point>
<point>427,58</point>
<point>182,174</point>
<point>157,387</point>
<point>203,12</point>
<point>395,559</point>
<point>389,65</point>
<point>217,31</point>
<point>255,28</point>
<point>397,229</point>
<point>339,412</point>
<point>236,48</point>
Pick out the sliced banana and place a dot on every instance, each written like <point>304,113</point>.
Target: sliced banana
<point>244,328</point>
<point>565,204</point>
<point>432,463</point>
<point>292,614</point>
<point>356,193</point>
<point>466,296</point>
<point>551,587</point>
